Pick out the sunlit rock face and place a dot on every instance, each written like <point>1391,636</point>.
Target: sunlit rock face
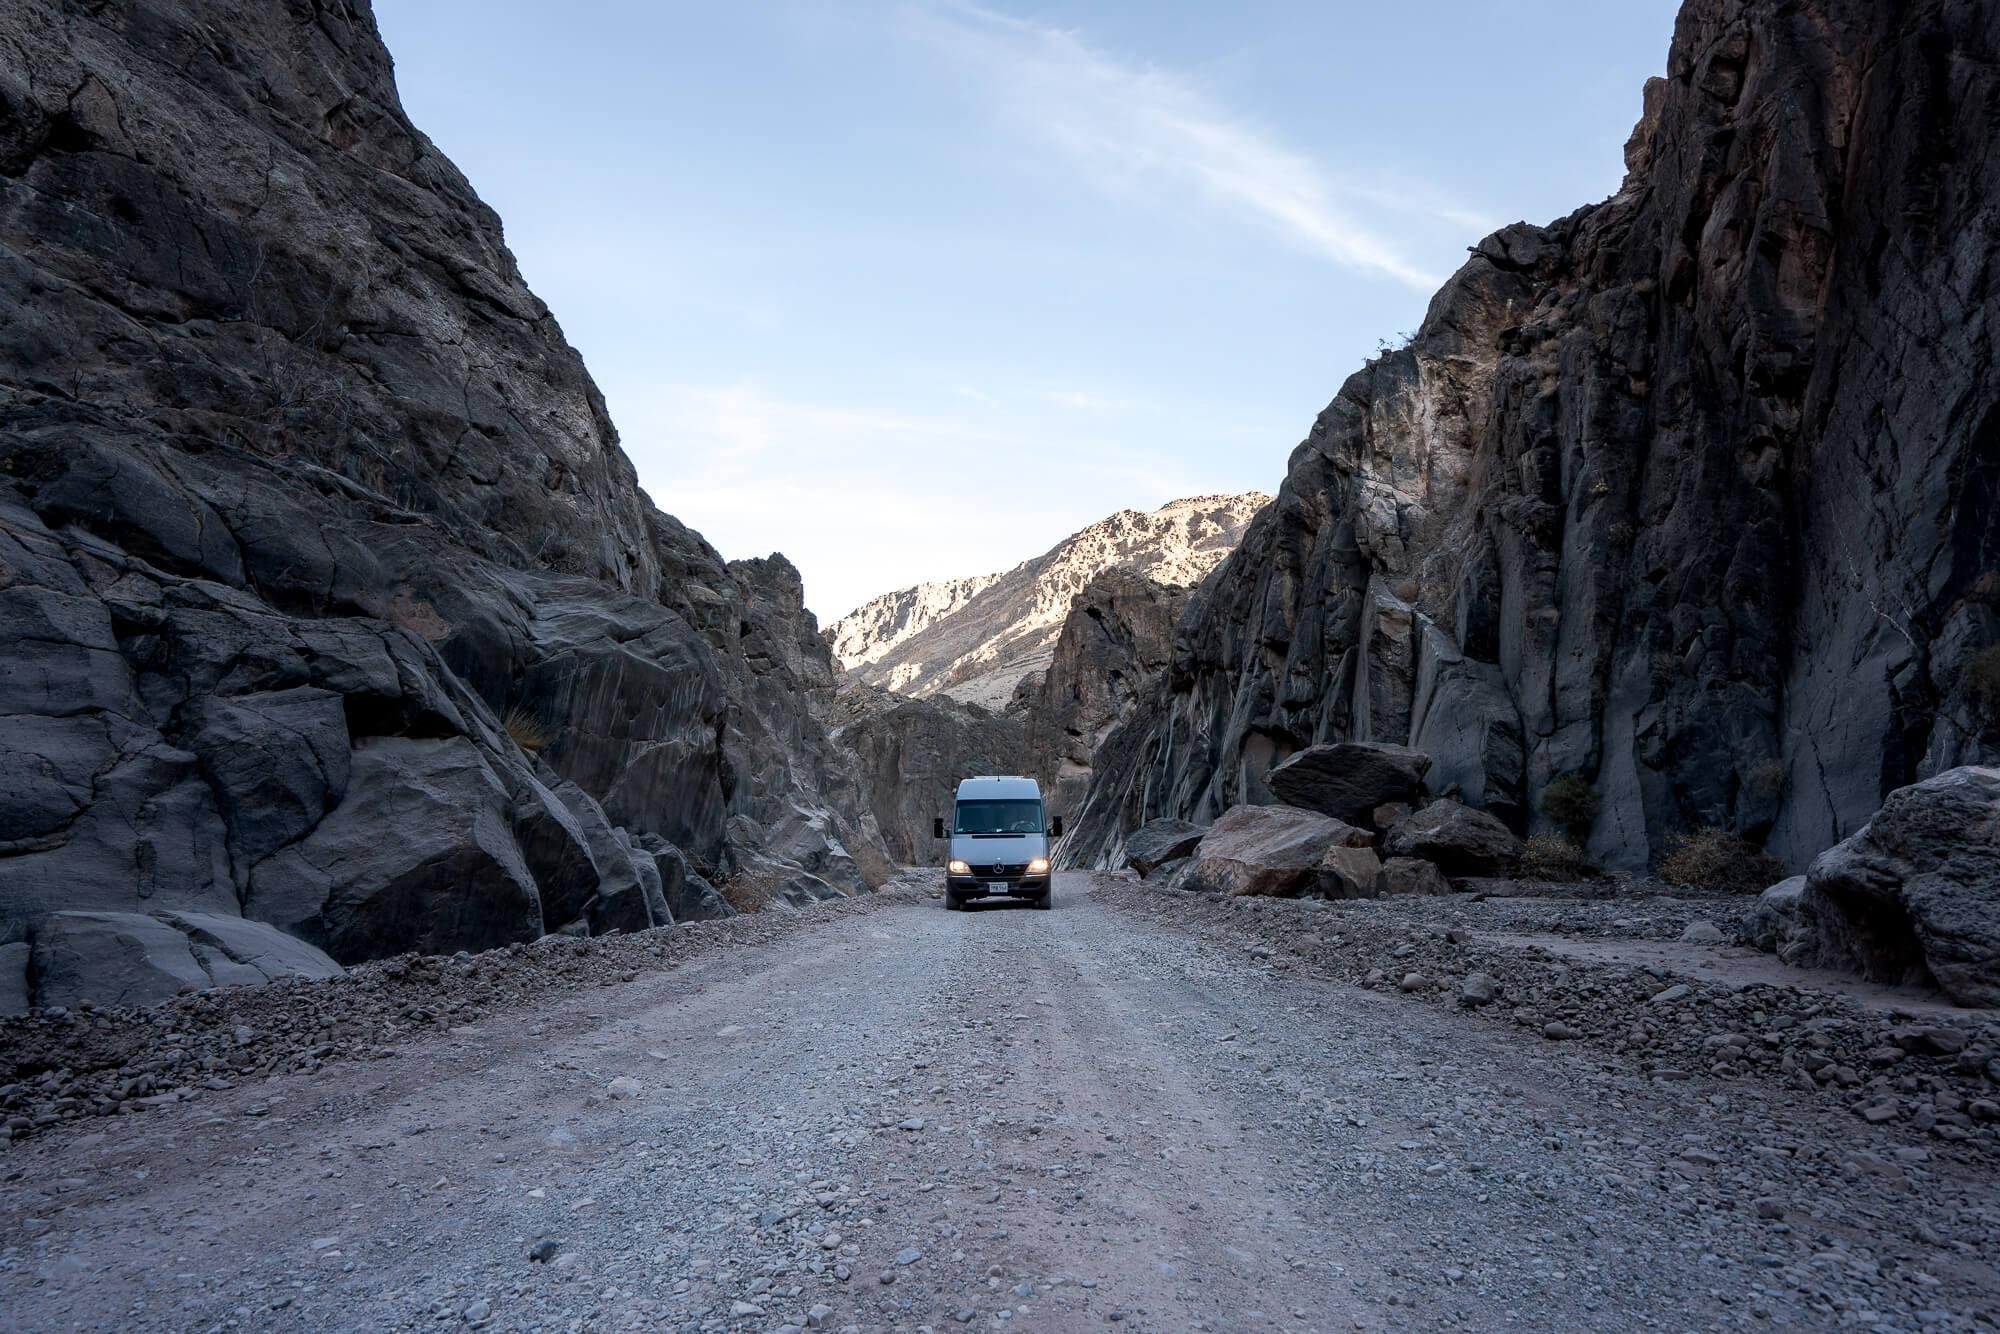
<point>1692,494</point>
<point>976,639</point>
<point>326,594</point>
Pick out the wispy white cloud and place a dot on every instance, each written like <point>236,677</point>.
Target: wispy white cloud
<point>1126,124</point>
<point>864,499</point>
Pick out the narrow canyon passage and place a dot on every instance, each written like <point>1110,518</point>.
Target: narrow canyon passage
<point>906,1117</point>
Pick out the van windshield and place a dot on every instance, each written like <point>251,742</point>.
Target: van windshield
<point>998,817</point>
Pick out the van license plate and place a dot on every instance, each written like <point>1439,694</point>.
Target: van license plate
<point>996,886</point>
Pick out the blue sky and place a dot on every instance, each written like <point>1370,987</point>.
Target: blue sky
<point>915,288</point>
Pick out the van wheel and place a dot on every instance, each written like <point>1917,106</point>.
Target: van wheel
<point>951,903</point>
<point>1047,900</point>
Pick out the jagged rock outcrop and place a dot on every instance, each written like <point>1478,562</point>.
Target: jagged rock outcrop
<point>1161,843</point>
<point>1914,895</point>
<point>321,571</point>
<point>1351,779</point>
<point>874,629</point>
<point>980,637</point>
<point>912,754</point>
<point>1692,493</point>
<point>1117,638</point>
<point>113,958</point>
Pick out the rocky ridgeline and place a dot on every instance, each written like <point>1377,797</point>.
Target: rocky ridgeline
<point>73,1062</point>
<point>329,600</point>
<point>1935,1073</point>
<point>1683,496</point>
<point>975,640</point>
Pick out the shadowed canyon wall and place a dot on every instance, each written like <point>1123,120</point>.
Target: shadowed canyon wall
<point>1691,493</point>
<point>328,596</point>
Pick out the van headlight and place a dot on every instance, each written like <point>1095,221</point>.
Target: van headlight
<point>1038,866</point>
<point>957,867</point>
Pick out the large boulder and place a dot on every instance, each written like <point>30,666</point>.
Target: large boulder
<point>419,856</point>
<point>1157,842</point>
<point>1350,779</point>
<point>1266,850</point>
<point>1349,873</point>
<point>1409,875</point>
<point>1460,840</point>
<point>1914,895</point>
<point>689,895</point>
<point>118,958</point>
<point>1778,914</point>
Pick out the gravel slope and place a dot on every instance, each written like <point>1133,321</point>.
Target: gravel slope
<point>899,1117</point>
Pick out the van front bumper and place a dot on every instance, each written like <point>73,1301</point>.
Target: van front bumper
<point>973,886</point>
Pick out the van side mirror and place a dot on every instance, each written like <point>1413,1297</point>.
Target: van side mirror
<point>1055,827</point>
<point>937,826</point>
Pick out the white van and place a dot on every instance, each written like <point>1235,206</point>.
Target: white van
<point>999,841</point>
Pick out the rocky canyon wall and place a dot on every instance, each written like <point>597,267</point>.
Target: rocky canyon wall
<point>327,597</point>
<point>1691,494</point>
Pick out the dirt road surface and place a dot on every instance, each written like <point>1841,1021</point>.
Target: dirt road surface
<point>910,1118</point>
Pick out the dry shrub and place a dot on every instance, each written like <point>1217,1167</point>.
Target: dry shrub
<point>751,890</point>
<point>1553,857</point>
<point>1767,779</point>
<point>1718,859</point>
<point>526,730</point>
<point>1571,802</point>
<point>419,617</point>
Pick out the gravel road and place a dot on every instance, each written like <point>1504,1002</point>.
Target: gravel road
<point>903,1117</point>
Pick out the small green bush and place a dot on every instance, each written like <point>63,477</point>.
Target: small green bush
<point>1552,857</point>
<point>1718,859</point>
<point>1571,802</point>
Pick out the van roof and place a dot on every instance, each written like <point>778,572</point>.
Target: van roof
<point>991,787</point>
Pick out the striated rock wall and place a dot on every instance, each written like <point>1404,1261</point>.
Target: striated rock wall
<point>1691,493</point>
<point>326,595</point>
<point>912,754</point>
<point>1117,638</point>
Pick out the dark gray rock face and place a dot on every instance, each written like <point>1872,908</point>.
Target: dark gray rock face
<point>1691,493</point>
<point>1158,842</point>
<point>320,566</point>
<point>1117,636</point>
<point>1776,922</point>
<point>689,895</point>
<point>114,958</point>
<point>912,754</point>
<point>1350,779</point>
<point>1914,895</point>
<point>418,855</point>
